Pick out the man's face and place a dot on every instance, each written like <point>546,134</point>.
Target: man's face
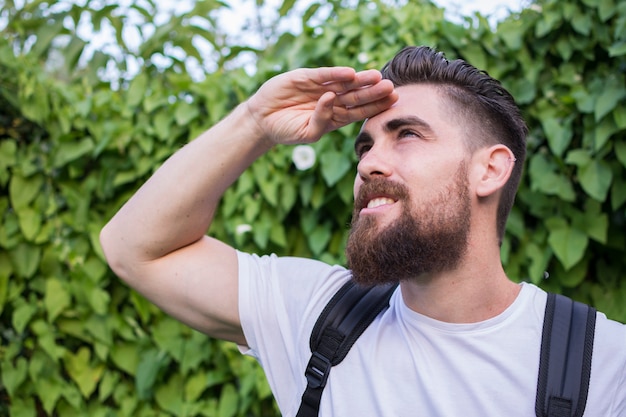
<point>412,206</point>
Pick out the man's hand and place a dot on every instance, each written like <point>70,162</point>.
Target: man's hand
<point>302,105</point>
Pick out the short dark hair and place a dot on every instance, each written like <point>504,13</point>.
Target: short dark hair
<point>480,99</point>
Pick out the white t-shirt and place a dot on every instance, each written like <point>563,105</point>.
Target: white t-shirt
<point>407,364</point>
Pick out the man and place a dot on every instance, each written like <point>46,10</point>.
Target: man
<point>440,157</point>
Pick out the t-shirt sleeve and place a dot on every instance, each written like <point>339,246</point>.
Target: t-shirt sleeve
<point>280,299</point>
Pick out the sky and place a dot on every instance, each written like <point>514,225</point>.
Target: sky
<point>233,21</point>
<point>496,9</point>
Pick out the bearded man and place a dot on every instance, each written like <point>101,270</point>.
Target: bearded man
<point>440,158</point>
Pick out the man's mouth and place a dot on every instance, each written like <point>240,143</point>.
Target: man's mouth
<point>379,192</point>
<point>379,201</point>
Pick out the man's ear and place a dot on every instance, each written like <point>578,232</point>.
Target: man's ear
<point>496,164</point>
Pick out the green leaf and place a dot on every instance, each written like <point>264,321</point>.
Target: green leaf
<point>167,334</point>
<point>512,33</point>
<point>539,258</point>
<point>99,300</point>
<point>318,240</point>
<point>596,225</point>
<point>548,182</point>
<point>606,9</point>
<point>582,23</point>
<point>288,195</point>
<point>269,189</point>
<point>228,401</point>
<point>474,53</point>
<point>141,305</point>
<point>49,392</point>
<point>23,191</point>
<point>620,151</point>
<point>559,134</point>
<point>596,178</point>
<point>46,335</point>
<point>286,7</point>
<point>45,35</point>
<point>568,244</point>
<point>108,382</point>
<point>6,270</point>
<point>125,356</point>
<point>25,259</point>
<point>137,90</point>
<point>82,372</point>
<point>195,386</point>
<point>574,276</point>
<point>22,316</point>
<point>100,328</point>
<point>73,397</point>
<point>30,222</point>
<point>23,407</point>
<point>56,298</point>
<point>603,132</point>
<point>618,194</point>
<point>169,396</point>
<point>8,152</point>
<point>151,363</point>
<point>185,113</point>
<point>162,124</point>
<point>617,49</point>
<point>619,117</point>
<point>278,235</point>
<point>334,166</point>
<point>13,376</point>
<point>70,151</point>
<point>611,95</point>
<point>549,19</point>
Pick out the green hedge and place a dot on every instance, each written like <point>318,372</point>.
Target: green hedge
<point>73,148</point>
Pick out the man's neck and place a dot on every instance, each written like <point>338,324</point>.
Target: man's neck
<point>465,295</point>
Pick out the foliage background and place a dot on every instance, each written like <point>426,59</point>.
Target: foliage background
<point>76,142</point>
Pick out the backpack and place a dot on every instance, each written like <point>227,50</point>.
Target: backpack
<point>564,365</point>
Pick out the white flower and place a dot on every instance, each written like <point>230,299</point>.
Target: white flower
<point>243,228</point>
<point>363,58</point>
<point>303,157</point>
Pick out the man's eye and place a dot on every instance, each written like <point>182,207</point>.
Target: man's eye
<point>408,132</point>
<point>361,150</point>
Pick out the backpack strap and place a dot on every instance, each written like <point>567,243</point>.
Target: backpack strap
<point>349,312</point>
<point>565,362</point>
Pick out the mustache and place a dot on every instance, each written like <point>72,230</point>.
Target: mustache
<point>379,187</point>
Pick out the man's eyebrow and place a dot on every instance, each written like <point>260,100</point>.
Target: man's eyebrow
<point>392,126</point>
<point>400,122</point>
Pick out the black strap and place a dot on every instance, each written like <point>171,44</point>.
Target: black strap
<point>565,363</point>
<point>351,310</point>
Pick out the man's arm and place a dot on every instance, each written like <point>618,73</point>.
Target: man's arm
<point>156,242</point>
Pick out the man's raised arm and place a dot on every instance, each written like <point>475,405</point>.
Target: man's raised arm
<point>156,242</point>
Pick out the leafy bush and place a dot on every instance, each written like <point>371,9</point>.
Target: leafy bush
<point>75,144</point>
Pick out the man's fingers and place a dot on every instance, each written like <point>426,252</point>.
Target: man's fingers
<point>349,114</point>
<point>322,118</point>
<point>357,81</point>
<point>367,94</point>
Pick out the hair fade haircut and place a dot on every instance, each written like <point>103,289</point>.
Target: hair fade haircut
<point>481,101</point>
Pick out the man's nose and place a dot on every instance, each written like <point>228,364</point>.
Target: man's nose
<point>375,162</point>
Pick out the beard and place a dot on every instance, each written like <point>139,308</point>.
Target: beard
<point>429,238</point>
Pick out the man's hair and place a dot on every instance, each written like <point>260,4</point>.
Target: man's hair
<point>483,103</point>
